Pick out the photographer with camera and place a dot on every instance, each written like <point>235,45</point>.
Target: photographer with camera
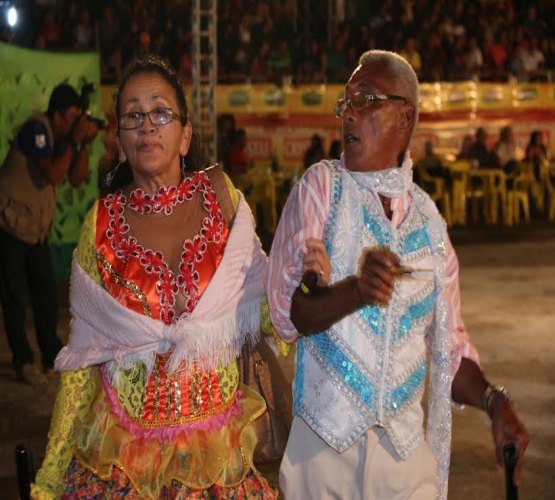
<point>47,147</point>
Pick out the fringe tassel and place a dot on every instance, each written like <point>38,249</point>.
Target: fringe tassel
<point>208,344</point>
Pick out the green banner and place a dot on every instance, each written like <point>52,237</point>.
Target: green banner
<point>27,78</point>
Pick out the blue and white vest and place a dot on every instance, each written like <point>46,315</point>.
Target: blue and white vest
<point>370,368</point>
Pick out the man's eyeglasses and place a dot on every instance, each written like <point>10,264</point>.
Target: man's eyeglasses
<point>135,119</point>
<point>359,101</point>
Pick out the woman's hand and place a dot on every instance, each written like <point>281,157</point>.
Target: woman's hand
<point>316,259</point>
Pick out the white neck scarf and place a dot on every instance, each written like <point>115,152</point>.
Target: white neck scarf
<point>391,182</point>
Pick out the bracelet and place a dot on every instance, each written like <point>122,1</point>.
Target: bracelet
<point>493,394</point>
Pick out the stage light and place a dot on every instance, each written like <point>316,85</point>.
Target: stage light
<point>11,17</point>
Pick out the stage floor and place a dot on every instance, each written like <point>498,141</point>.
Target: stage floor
<point>508,295</point>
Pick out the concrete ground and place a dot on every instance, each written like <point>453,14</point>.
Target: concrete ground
<point>508,294</point>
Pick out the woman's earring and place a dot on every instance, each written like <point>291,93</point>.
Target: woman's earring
<point>109,178</point>
<point>183,166</point>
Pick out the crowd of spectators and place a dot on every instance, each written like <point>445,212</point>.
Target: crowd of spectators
<point>302,41</point>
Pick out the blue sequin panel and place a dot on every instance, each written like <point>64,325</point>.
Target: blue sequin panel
<point>372,317</point>
<point>404,392</point>
<point>347,371</point>
<point>299,377</point>
<point>415,312</point>
<point>416,240</point>
<point>373,225</point>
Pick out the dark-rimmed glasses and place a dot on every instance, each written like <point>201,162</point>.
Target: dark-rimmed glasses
<point>359,101</point>
<point>135,119</point>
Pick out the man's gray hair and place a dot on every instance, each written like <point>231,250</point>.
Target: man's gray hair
<point>400,70</point>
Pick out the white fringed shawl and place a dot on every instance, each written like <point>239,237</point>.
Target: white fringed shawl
<point>227,313</point>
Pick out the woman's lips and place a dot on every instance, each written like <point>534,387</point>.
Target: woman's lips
<point>148,146</point>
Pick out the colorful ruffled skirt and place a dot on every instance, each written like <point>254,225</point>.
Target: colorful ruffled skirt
<point>209,459</point>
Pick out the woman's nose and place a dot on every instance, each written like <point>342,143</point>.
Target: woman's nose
<point>147,126</point>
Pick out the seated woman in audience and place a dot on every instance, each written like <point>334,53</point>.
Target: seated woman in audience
<point>507,150</point>
<point>536,152</point>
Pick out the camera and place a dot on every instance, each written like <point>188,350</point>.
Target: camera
<point>85,98</point>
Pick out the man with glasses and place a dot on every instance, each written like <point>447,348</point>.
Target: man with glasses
<point>48,148</point>
<point>387,317</point>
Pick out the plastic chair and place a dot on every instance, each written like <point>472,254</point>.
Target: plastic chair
<point>259,188</point>
<point>477,193</point>
<point>519,197</point>
<point>435,187</point>
<point>459,172</point>
<point>497,197</point>
<point>535,186</point>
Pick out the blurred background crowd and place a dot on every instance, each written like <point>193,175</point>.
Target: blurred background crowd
<point>305,41</point>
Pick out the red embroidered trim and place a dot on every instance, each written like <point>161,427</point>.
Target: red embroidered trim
<point>165,199</point>
<point>153,262</point>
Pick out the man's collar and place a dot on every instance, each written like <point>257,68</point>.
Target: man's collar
<point>407,158</point>
<point>390,182</point>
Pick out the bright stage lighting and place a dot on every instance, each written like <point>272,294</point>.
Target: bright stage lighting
<point>11,17</point>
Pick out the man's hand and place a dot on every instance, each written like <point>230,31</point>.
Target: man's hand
<point>316,259</point>
<point>507,428</point>
<point>315,308</point>
<point>378,268</point>
<point>84,130</point>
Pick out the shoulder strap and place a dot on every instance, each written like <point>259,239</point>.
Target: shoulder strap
<point>217,179</point>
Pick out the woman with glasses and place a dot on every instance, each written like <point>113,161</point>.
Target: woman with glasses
<point>166,287</point>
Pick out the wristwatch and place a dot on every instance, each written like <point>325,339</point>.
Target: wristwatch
<point>492,395</point>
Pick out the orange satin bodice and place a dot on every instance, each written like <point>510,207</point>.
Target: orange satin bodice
<point>141,279</point>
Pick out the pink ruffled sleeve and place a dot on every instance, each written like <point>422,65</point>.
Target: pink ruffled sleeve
<point>460,341</point>
<point>303,217</point>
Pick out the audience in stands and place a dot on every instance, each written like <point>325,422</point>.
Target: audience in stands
<point>283,40</point>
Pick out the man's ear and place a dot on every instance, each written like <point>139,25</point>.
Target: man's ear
<point>406,117</point>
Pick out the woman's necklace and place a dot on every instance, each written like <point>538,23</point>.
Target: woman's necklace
<point>164,199</point>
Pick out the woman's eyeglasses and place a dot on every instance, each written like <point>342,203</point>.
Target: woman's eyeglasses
<point>135,119</point>
<point>360,101</point>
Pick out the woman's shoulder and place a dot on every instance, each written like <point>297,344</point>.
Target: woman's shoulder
<point>86,246</point>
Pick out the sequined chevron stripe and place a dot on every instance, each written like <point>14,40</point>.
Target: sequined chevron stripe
<point>357,382</point>
<point>403,394</point>
<point>421,309</point>
<point>415,240</point>
<point>376,228</point>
